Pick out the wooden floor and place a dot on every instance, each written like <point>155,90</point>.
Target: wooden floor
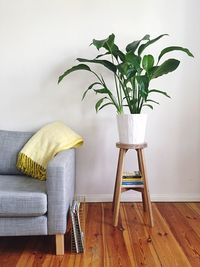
<point>174,240</point>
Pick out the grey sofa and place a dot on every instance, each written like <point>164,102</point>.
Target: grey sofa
<point>29,206</point>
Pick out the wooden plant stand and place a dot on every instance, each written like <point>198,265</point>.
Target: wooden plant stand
<point>123,148</point>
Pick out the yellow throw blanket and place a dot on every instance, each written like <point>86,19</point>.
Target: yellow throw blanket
<point>43,146</point>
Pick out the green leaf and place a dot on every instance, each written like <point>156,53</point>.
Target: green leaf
<point>134,45</point>
<point>109,65</point>
<point>143,46</point>
<point>131,73</point>
<point>102,91</point>
<point>89,88</point>
<point>75,68</point>
<point>105,105</point>
<point>117,53</point>
<point>143,84</point>
<point>174,48</point>
<point>159,92</point>
<point>152,70</point>
<point>122,68</point>
<point>101,55</point>
<point>166,67</point>
<point>133,59</point>
<point>142,79</point>
<point>147,105</point>
<point>99,102</point>
<point>131,65</point>
<point>153,101</point>
<point>110,46</point>
<point>107,43</point>
<point>148,62</point>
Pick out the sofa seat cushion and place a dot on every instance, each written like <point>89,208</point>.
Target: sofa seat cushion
<point>22,196</point>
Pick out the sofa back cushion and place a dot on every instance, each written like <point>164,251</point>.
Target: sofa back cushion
<point>11,142</point>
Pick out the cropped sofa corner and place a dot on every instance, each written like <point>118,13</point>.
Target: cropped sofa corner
<point>29,206</point>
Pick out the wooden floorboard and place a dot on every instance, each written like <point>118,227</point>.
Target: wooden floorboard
<point>173,241</point>
<point>182,231</point>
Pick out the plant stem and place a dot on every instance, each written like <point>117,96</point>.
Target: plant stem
<point>117,88</point>
<point>124,88</point>
<point>120,89</point>
<point>141,105</point>
<point>119,95</point>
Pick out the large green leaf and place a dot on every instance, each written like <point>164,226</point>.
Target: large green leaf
<point>133,59</point>
<point>174,48</point>
<point>75,68</point>
<point>143,46</point>
<point>109,65</point>
<point>107,43</point>
<point>152,70</point>
<point>166,67</point>
<point>147,62</point>
<point>110,46</point>
<point>134,45</point>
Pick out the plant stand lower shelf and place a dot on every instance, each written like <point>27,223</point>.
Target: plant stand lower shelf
<point>119,188</point>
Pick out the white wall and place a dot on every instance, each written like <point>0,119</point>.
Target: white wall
<point>40,39</point>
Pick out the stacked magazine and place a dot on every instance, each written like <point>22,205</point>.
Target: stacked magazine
<point>77,234</point>
<point>133,179</point>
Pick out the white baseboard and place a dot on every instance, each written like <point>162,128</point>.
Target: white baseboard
<point>137,197</point>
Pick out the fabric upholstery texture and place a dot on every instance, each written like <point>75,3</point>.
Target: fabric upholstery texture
<point>60,174</point>
<point>23,226</point>
<point>11,142</point>
<point>22,196</point>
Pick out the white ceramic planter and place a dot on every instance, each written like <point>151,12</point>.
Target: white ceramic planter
<point>131,128</point>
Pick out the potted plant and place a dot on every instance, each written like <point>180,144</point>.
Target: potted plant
<point>133,71</point>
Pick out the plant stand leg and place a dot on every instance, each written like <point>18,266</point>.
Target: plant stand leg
<point>146,195</point>
<point>117,193</point>
<point>144,201</point>
<point>115,188</point>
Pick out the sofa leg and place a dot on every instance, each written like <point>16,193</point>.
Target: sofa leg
<point>60,244</point>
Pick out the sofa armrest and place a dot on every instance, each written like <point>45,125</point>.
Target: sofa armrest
<point>60,190</point>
